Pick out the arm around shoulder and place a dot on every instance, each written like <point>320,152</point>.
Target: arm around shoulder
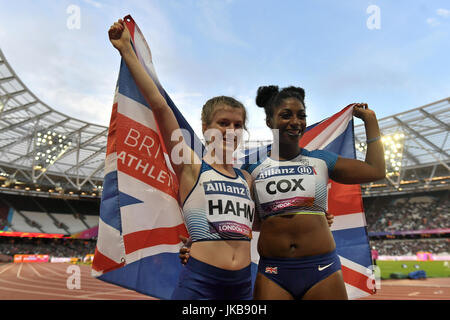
<point>256,226</point>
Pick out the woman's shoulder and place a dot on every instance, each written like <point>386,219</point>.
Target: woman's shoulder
<point>329,157</point>
<point>246,175</point>
<point>253,168</point>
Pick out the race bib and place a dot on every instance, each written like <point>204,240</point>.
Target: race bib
<point>285,188</point>
<point>229,207</point>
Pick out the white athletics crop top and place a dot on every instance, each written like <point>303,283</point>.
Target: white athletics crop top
<point>219,207</point>
<point>292,186</point>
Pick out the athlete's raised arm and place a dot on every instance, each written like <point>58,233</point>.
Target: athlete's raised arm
<point>120,37</point>
<point>351,171</point>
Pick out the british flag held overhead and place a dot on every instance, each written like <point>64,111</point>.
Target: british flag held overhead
<point>349,229</point>
<point>140,219</point>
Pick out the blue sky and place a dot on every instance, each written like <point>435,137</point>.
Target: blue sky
<point>230,47</point>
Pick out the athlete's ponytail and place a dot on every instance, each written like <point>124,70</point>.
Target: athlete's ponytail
<point>265,95</point>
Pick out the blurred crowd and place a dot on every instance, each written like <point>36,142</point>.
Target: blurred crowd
<point>403,216</point>
<point>55,247</point>
<point>411,247</point>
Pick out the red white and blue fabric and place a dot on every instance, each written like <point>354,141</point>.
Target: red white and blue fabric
<point>140,219</point>
<point>349,229</point>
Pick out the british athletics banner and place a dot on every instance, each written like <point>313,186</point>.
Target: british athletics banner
<point>140,219</point>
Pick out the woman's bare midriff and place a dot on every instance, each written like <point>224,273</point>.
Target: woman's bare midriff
<point>294,236</point>
<point>224,254</point>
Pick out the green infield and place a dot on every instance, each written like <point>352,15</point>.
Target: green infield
<point>433,269</point>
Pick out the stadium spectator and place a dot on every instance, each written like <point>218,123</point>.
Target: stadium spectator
<point>403,216</point>
<point>52,247</point>
<point>411,247</point>
<point>374,253</point>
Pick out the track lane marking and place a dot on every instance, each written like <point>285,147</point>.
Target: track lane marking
<point>51,294</point>
<point>58,286</point>
<point>87,280</point>
<point>121,292</point>
<point>7,268</point>
<point>19,270</point>
<point>36,272</point>
<point>54,295</point>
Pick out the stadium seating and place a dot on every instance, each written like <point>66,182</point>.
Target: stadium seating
<point>439,246</point>
<point>44,222</point>
<point>54,247</point>
<point>91,220</point>
<point>49,215</point>
<point>416,212</point>
<point>413,212</point>
<point>19,223</point>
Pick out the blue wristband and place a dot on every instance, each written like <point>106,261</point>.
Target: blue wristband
<point>373,139</point>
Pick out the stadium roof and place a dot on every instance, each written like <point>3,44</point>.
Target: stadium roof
<point>72,154</point>
<point>418,142</point>
<point>41,148</point>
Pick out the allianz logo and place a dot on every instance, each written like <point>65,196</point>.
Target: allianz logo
<point>286,170</point>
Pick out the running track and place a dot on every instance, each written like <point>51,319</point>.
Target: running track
<point>48,281</point>
<point>405,289</point>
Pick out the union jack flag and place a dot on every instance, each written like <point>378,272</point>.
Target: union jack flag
<point>273,270</point>
<point>140,219</point>
<point>349,228</point>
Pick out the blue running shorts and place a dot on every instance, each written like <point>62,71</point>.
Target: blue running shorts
<point>202,281</point>
<point>298,275</point>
